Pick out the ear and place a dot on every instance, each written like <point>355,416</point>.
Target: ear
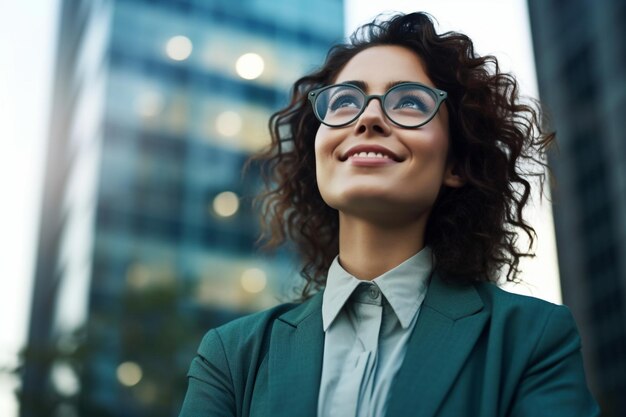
<point>451,178</point>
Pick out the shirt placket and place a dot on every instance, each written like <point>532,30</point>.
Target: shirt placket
<point>367,305</point>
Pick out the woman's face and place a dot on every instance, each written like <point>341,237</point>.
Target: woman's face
<point>403,184</point>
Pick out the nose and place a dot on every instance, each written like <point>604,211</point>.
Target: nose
<point>373,120</point>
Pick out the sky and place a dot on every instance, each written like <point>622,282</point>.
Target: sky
<point>26,57</point>
<point>27,48</point>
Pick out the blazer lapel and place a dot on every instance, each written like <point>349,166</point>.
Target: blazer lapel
<point>449,324</point>
<point>295,360</point>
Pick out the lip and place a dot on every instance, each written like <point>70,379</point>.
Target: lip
<point>390,155</point>
<point>370,161</point>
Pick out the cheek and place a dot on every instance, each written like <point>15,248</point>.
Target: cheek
<point>437,134</point>
<point>321,156</point>
<point>432,149</point>
<point>318,146</point>
<point>439,141</point>
<point>324,146</point>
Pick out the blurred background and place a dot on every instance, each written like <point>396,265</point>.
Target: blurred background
<point>127,229</point>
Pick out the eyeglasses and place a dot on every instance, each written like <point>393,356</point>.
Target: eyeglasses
<point>408,105</point>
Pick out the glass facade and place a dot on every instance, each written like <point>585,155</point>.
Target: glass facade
<point>148,228</point>
<point>579,47</point>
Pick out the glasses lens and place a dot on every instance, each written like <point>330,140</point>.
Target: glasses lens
<point>339,105</point>
<point>411,104</point>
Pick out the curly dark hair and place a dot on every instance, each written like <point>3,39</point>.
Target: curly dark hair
<point>496,141</point>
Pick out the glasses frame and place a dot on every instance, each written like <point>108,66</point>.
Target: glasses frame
<point>439,94</point>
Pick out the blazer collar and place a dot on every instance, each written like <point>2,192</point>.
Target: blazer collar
<point>295,360</point>
<point>449,324</point>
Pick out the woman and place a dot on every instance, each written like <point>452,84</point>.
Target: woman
<point>396,170</point>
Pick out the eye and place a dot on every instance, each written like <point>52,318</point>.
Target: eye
<point>343,99</point>
<point>411,102</point>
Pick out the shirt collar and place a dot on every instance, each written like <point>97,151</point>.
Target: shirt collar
<point>404,287</point>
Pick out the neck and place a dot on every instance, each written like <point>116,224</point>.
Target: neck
<point>369,249</point>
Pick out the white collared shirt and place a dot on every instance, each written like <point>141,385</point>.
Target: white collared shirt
<point>364,343</point>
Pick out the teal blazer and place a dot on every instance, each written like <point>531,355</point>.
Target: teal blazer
<point>476,351</point>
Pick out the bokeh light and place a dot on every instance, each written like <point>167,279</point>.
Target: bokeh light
<point>253,280</point>
<point>226,203</point>
<point>129,373</point>
<point>250,66</point>
<point>149,104</point>
<point>65,379</point>
<point>228,123</point>
<point>179,48</point>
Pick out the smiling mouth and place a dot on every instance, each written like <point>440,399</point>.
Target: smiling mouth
<point>370,159</point>
<point>370,153</point>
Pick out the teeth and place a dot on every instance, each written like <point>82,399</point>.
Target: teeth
<point>370,155</point>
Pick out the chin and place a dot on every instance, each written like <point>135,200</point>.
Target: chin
<point>378,204</point>
<point>358,195</point>
<point>365,203</point>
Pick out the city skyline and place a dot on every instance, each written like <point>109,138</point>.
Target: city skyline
<point>147,235</point>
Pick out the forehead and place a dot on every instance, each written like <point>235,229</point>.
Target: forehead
<point>380,65</point>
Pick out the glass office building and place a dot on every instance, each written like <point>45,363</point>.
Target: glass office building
<point>148,231</point>
<point>580,49</point>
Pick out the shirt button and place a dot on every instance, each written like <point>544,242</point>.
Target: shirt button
<point>374,292</point>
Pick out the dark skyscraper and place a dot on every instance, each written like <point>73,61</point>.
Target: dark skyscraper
<point>580,49</point>
<point>147,230</point>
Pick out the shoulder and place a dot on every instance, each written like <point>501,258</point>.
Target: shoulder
<point>455,300</point>
<point>232,350</point>
<point>542,348</point>
<point>252,332</point>
<point>500,301</point>
<point>246,330</point>
<point>528,318</point>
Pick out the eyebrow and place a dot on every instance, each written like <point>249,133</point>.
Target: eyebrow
<point>364,86</point>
